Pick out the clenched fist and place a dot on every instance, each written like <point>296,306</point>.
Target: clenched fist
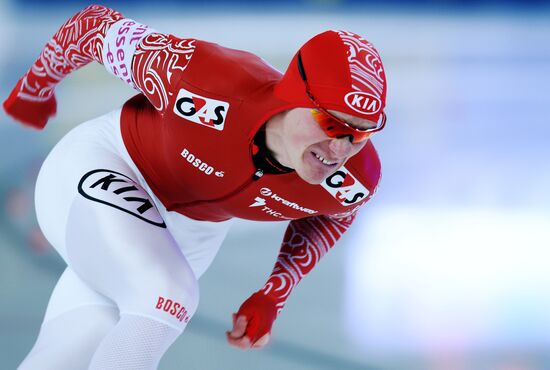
<point>252,323</point>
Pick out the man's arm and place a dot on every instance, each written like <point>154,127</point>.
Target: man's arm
<point>144,59</point>
<point>76,43</point>
<point>306,241</point>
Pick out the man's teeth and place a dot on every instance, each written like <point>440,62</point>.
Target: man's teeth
<point>324,160</point>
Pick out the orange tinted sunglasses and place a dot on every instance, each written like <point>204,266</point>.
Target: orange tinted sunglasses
<point>335,127</point>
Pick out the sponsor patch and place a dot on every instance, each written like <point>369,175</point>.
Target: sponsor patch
<point>119,47</point>
<point>261,202</point>
<point>362,102</point>
<point>199,109</point>
<point>266,192</point>
<point>173,308</point>
<point>258,202</point>
<point>345,188</point>
<point>199,164</point>
<point>121,192</point>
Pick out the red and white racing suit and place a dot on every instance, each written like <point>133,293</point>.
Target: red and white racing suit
<point>190,133</point>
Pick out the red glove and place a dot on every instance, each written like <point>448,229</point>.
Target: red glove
<point>253,320</point>
<point>31,113</point>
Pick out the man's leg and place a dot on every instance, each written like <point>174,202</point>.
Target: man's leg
<point>92,208</point>
<point>130,257</point>
<point>76,322</point>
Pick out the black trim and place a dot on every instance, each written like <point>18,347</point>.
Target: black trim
<point>301,68</point>
<point>264,158</point>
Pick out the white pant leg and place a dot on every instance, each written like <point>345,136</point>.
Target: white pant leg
<point>71,293</point>
<point>77,320</point>
<point>135,343</point>
<point>92,208</point>
<point>124,247</point>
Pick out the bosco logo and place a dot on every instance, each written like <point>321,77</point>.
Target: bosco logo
<point>345,188</point>
<point>204,111</point>
<point>198,163</point>
<point>362,102</point>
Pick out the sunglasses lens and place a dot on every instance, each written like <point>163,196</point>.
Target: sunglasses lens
<point>334,128</point>
<point>325,121</point>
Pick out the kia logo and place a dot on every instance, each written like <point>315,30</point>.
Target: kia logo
<point>362,102</point>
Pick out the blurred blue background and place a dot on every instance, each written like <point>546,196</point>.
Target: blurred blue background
<point>446,269</point>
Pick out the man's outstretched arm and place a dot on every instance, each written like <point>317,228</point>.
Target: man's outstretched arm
<point>306,241</point>
<point>78,42</point>
<point>148,61</point>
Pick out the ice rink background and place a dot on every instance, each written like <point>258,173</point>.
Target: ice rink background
<point>447,268</point>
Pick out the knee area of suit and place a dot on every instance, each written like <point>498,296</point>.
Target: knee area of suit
<point>185,291</point>
<point>180,288</point>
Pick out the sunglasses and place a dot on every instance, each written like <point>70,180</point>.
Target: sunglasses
<point>334,126</point>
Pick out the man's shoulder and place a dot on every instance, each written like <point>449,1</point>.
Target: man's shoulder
<point>228,71</point>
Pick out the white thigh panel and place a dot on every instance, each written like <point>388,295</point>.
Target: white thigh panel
<point>85,148</point>
<point>93,210</point>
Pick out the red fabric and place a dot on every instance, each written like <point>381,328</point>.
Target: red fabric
<point>31,113</point>
<point>336,63</point>
<point>306,241</point>
<point>260,311</point>
<point>156,134</point>
<point>76,43</point>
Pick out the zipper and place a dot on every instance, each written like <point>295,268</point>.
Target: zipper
<point>259,173</point>
<point>255,177</point>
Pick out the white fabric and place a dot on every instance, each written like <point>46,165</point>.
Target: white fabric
<point>71,293</point>
<point>86,205</point>
<point>131,262</point>
<point>69,340</point>
<point>119,46</point>
<point>135,343</point>
<point>121,260</point>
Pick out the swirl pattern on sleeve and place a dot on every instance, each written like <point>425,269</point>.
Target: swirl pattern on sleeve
<point>306,241</point>
<point>158,64</point>
<point>76,43</point>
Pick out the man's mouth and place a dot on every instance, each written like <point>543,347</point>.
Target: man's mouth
<point>324,161</point>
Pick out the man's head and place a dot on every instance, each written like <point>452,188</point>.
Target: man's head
<point>336,70</point>
<point>338,83</point>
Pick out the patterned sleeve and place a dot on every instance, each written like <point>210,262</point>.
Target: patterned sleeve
<point>305,242</point>
<point>103,35</point>
<point>158,62</point>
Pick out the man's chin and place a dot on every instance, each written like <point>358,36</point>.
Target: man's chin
<point>312,178</point>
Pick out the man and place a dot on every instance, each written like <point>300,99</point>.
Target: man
<point>138,201</point>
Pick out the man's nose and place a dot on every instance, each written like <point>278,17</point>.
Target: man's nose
<point>341,146</point>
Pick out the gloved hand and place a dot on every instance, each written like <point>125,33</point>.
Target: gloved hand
<point>31,113</point>
<point>252,323</point>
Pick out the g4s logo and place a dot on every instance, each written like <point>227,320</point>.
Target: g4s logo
<point>199,109</point>
<point>345,188</point>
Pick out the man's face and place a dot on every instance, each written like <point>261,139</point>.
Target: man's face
<point>314,155</point>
